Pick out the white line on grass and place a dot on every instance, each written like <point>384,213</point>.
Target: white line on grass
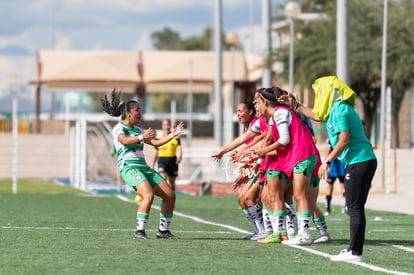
<point>368,266</point>
<point>310,250</point>
<point>402,247</point>
<point>121,197</point>
<point>101,229</point>
<point>61,228</point>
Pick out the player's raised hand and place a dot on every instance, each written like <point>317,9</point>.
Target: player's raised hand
<point>287,101</point>
<point>217,156</point>
<point>149,133</point>
<point>178,130</point>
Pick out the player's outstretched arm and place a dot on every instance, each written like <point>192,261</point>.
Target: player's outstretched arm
<point>175,132</point>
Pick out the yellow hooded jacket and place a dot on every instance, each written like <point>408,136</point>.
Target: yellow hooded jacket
<point>328,91</point>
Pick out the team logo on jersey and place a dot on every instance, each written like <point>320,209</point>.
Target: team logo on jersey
<point>138,177</point>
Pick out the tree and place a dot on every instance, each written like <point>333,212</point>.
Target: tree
<point>315,52</point>
<point>166,39</point>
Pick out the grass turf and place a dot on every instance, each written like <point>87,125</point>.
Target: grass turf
<point>45,229</point>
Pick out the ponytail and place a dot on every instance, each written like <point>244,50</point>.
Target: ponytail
<point>115,107</point>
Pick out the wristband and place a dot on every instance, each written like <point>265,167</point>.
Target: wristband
<point>325,160</point>
<point>141,137</point>
<point>259,161</point>
<point>172,135</point>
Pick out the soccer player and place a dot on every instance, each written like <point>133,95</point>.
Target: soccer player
<point>336,170</point>
<point>334,102</point>
<point>168,155</point>
<point>129,140</point>
<point>296,155</point>
<point>249,192</point>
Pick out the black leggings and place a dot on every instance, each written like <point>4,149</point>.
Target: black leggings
<point>358,179</point>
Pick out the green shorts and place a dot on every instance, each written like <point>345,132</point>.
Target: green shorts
<point>314,181</point>
<point>306,166</point>
<point>270,174</point>
<point>134,175</point>
<point>253,180</point>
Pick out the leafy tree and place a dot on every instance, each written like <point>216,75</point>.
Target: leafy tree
<point>315,52</point>
<point>166,39</point>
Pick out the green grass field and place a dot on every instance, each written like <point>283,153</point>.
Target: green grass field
<point>51,229</point>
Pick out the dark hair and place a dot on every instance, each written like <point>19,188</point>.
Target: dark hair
<point>272,95</point>
<point>278,92</point>
<point>115,107</point>
<point>250,106</point>
<point>267,93</point>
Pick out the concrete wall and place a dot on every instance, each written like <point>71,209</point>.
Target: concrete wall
<point>38,156</point>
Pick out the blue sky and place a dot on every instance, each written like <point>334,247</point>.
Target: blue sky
<point>27,26</point>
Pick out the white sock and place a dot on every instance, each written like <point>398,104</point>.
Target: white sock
<point>304,226</point>
<point>142,219</point>
<point>165,221</point>
<point>292,217</point>
<point>257,217</point>
<point>251,221</point>
<point>275,222</point>
<point>321,226</point>
<point>266,220</point>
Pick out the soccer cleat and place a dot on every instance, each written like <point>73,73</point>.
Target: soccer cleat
<point>273,238</point>
<point>140,234</point>
<point>260,235</point>
<point>249,237</point>
<point>298,240</point>
<point>284,236</point>
<point>326,238</point>
<point>291,235</point>
<point>346,256</point>
<point>165,235</point>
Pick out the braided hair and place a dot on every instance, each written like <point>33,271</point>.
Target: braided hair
<point>116,107</point>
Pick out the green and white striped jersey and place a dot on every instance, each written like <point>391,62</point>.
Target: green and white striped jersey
<point>131,155</point>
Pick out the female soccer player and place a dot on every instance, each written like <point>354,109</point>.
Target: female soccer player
<point>249,192</point>
<point>129,142</point>
<point>296,155</point>
<point>169,155</point>
<point>334,102</point>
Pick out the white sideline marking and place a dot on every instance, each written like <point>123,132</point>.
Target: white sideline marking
<point>368,266</point>
<point>123,198</point>
<point>307,249</point>
<point>102,229</point>
<point>402,247</point>
<point>207,222</point>
<point>61,228</point>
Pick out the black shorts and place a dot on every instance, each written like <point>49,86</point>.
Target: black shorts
<point>331,180</point>
<point>168,165</point>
